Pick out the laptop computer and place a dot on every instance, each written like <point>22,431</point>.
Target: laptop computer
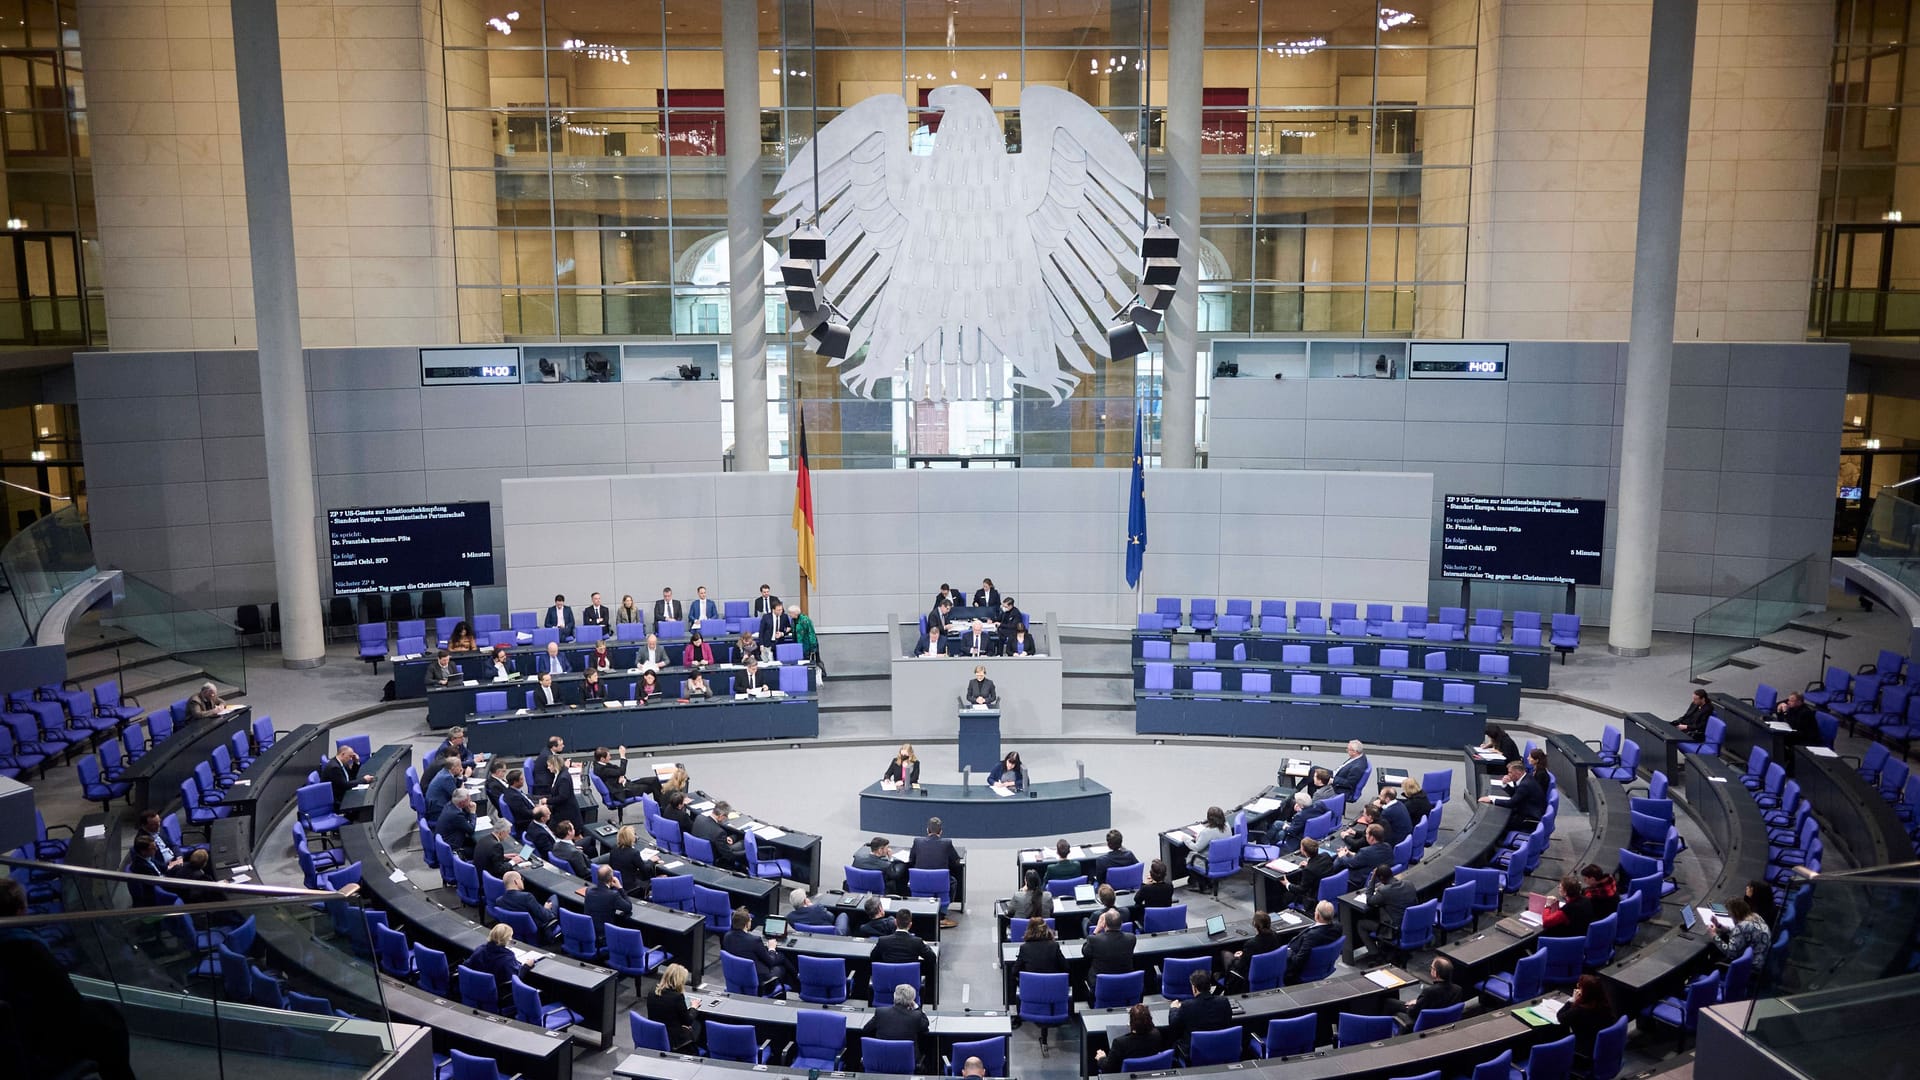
<point>1084,893</point>
<point>776,926</point>
<point>1216,925</point>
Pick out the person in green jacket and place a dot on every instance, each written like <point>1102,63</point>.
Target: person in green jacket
<point>804,636</point>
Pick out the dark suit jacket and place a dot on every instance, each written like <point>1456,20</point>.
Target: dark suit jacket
<point>986,598</point>
<point>876,928</point>
<point>340,776</point>
<point>933,853</point>
<point>1108,953</point>
<point>542,697</point>
<point>456,828</point>
<point>540,836</point>
<point>983,645</point>
<point>568,853</point>
<point>1346,779</point>
<point>522,900</point>
<point>517,806</point>
<point>561,617</point>
<point>602,903</point>
<point>899,1023</point>
<point>896,873</point>
<point>900,947</point>
<point>1398,820</point>
<point>1806,727</point>
<point>596,615</point>
<point>764,604</point>
<point>1304,943</point>
<point>1359,863</point>
<point>1131,1047</point>
<point>490,856</point>
<point>725,848</point>
<point>1527,801</point>
<point>1044,957</point>
<point>1306,880</point>
<point>751,946</point>
<point>982,688</point>
<point>1434,996</point>
<point>775,627</point>
<point>664,610</point>
<point>811,915</point>
<point>894,773</point>
<point>1209,1012</point>
<point>1116,857</point>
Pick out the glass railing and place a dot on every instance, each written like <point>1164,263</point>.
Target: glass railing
<point>1848,964</point>
<point>41,562</point>
<point>189,634</point>
<point>1737,623</point>
<point>231,979</point>
<point>1891,541</point>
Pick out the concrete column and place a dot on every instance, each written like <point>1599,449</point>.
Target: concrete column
<point>740,60</point>
<point>1186,34</point>
<point>1656,278</point>
<point>276,315</point>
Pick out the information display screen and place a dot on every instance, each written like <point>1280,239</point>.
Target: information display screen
<point>404,548</point>
<point>1523,538</point>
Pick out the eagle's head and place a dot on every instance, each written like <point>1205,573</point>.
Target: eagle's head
<point>964,109</point>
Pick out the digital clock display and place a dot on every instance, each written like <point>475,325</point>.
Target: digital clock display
<point>469,366</point>
<point>1448,360</point>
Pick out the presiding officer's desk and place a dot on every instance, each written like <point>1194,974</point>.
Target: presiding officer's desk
<point>154,777</point>
<point>1326,999</point>
<point>1499,693</point>
<point>774,1019</point>
<point>1148,952</point>
<point>1472,845</point>
<point>657,1065</point>
<point>857,952</point>
<point>1533,665</point>
<point>976,812</point>
<point>588,989</point>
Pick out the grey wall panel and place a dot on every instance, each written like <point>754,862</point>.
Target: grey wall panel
<point>243,458</point>
<point>481,412</point>
<point>363,369</point>
<point>576,444</point>
<point>172,418</point>
<point>1259,534</point>
<point>230,414</point>
<point>1376,495</point>
<point>1572,481</point>
<point>150,506</point>
<point>563,406</point>
<point>230,501</point>
<point>1446,440</point>
<point>135,375</point>
<point>392,409</point>
<point>1773,452</point>
<point>171,461</point>
<point>681,497</point>
<point>1060,491</point>
<point>1357,399</point>
<point>146,550</point>
<point>1183,534</point>
<point>1701,363</point>
<point>854,533</point>
<point>228,371</point>
<point>1563,362</point>
<point>1470,402</point>
<point>451,447</point>
<point>371,489</point>
<point>235,544</point>
<point>956,531</point>
<point>1688,532</point>
<point>1376,538</point>
<point>1356,440</point>
<point>1555,403</point>
<point>941,490</point>
<point>368,452</point>
<point>244,583</point>
<point>1698,407</point>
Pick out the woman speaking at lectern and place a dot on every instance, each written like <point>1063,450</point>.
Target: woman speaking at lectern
<point>980,691</point>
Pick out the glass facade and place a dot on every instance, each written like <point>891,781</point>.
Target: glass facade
<point>49,248</point>
<point>589,173</point>
<point>1867,263</point>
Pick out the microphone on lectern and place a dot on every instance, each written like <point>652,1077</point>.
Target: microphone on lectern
<point>966,778</point>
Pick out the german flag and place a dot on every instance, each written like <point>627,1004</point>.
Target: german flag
<point>803,507</point>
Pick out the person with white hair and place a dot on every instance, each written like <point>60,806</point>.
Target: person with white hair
<point>805,636</point>
<point>802,911</point>
<point>205,703</point>
<point>903,1020</point>
<point>1353,772</point>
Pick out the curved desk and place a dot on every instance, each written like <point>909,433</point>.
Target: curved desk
<point>662,723</point>
<point>1499,693</point>
<point>1532,664</point>
<point>777,1019</point>
<point>1315,718</point>
<point>455,703</point>
<point>977,813</point>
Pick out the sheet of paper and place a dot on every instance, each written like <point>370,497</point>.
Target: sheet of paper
<point>1385,978</point>
<point>243,868</point>
<point>1285,866</point>
<point>703,805</point>
<point>1549,1008</point>
<point>611,704</point>
<point>1779,725</point>
<point>239,879</point>
<point>1263,806</point>
<point>1718,779</point>
<point>1000,791</point>
<point>94,832</point>
<point>1820,751</point>
<point>769,832</point>
<point>398,877</point>
<point>674,865</point>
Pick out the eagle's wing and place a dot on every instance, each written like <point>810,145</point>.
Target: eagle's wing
<point>1082,190</point>
<point>864,169</point>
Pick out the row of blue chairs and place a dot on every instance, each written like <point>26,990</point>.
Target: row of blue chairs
<point>61,721</point>
<point>1337,656</point>
<point>1159,677</point>
<point>1309,617</point>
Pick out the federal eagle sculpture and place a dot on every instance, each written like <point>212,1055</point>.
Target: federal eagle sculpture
<point>945,266</point>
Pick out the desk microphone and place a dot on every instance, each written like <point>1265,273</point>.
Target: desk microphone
<point>1082,766</point>
<point>966,778</point>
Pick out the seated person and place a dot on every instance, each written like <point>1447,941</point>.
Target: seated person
<point>1569,913</point>
<point>980,691</point>
<point>1213,828</point>
<point>1039,951</point>
<point>1017,643</point>
<point>1031,902</point>
<point>1525,799</point>
<point>1009,774</point>
<point>648,688</point>
<point>904,769</point>
<point>500,666</point>
<point>1108,949</point>
<point>769,965</point>
<point>1388,898</point>
<point>1359,862</point>
<point>539,830</point>
<point>802,911</point>
<point>1324,929</point>
<point>728,851</point>
<point>901,946</point>
<point>613,773</point>
<point>1303,885</point>
<point>1498,739</point>
<point>1142,1040</point>
<point>698,653</point>
<point>1794,711</point>
<point>591,688</point>
<point>494,851</point>
<point>462,639</point>
<point>748,647</point>
<point>602,658</point>
<point>1239,960</point>
<point>145,861</point>
<point>566,849</point>
<point>753,681</point>
<point>903,1021</point>
<point>976,641</point>
<point>1115,855</point>
<point>517,898</point>
<point>205,702</point>
<point>986,596</point>
<point>669,1006</point>
<point>604,900</point>
<point>1590,1012</point>
<point>635,867</point>
<point>878,923</point>
<point>1395,816</point>
<point>197,866</point>
<point>1064,865</point>
<point>442,671</point>
<point>1155,891</point>
<point>695,687</point>
<point>495,957</point>
<point>1439,993</point>
<point>456,824</point>
<point>1601,890</point>
<point>1699,711</point>
<point>1206,1010</point>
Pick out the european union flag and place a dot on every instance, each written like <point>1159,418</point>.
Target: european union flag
<point>1137,511</point>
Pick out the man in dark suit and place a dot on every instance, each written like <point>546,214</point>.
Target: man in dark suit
<point>1525,799</point>
<point>496,785</point>
<point>935,852</point>
<point>1010,620</point>
<point>604,900</point>
<point>1115,855</point>
<point>539,831</point>
<point>802,911</point>
<point>1794,711</point>
<point>560,617</point>
<point>1439,993</point>
<point>544,695</point>
<point>976,643</point>
<point>776,627</point>
<point>1347,778</point>
<point>903,1021</point>
<point>494,851</point>
<point>1303,885</point>
<point>566,850</point>
<point>597,614</point>
<point>703,611</point>
<point>766,603</point>
<point>741,941</point>
<point>342,772</point>
<point>1359,862</point>
<point>516,803</point>
<point>456,823</point>
<point>901,946</point>
<point>878,855</point>
<point>667,609</point>
<point>711,827</point>
<point>1394,815</point>
<point>145,861</point>
<point>1323,930</point>
<point>878,923</point>
<point>517,898</point>
<point>440,792</point>
<point>937,620</point>
<point>751,678</point>
<point>1205,1011</point>
<point>1108,949</point>
<point>1388,899</point>
<point>456,741</point>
